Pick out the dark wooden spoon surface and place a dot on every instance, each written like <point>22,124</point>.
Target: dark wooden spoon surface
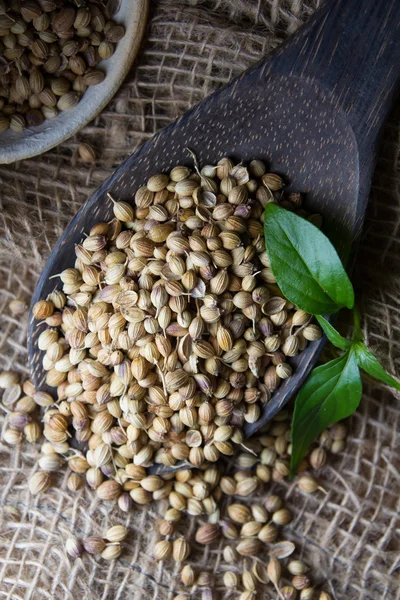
<point>313,110</point>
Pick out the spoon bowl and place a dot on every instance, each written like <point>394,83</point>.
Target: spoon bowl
<point>312,110</point>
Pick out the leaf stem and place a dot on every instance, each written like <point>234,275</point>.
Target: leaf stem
<point>358,334</point>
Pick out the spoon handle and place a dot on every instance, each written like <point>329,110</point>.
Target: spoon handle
<point>351,50</point>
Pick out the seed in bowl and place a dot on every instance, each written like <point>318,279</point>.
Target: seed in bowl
<point>51,52</point>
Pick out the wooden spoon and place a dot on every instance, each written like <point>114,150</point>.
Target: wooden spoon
<point>313,109</point>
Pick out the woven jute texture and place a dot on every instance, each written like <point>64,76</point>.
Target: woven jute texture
<point>350,536</point>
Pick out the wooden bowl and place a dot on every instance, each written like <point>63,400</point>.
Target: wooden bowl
<point>36,140</point>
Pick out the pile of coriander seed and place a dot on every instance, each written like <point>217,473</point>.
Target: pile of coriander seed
<point>237,508</point>
<point>50,51</point>
<point>167,336</point>
<point>170,332</point>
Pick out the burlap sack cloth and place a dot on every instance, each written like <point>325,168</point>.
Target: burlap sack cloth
<point>350,537</point>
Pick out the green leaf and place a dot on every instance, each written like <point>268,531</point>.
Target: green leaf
<point>332,392</point>
<point>305,264</point>
<point>367,361</point>
<point>332,334</point>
